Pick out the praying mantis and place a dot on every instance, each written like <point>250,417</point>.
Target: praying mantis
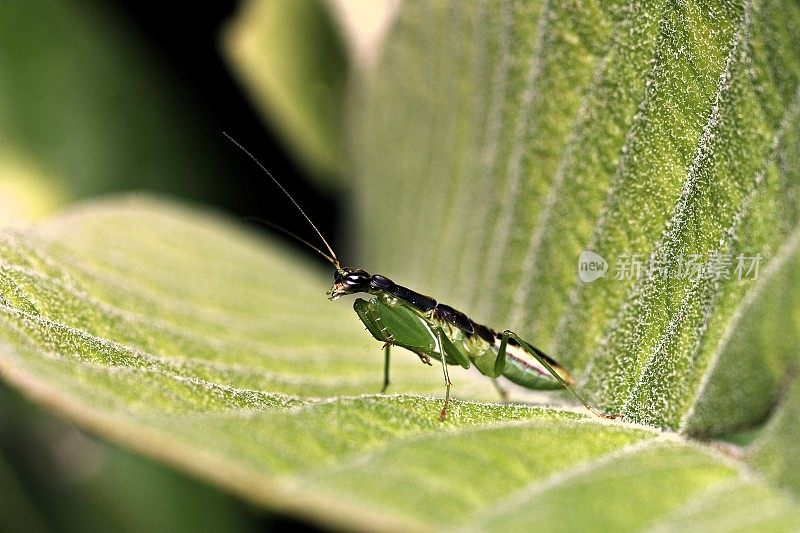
<point>399,316</point>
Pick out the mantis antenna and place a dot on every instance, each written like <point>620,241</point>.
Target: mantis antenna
<point>294,236</point>
<point>332,257</point>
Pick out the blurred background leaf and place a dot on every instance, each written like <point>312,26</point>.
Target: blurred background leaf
<point>84,99</point>
<point>100,97</point>
<point>291,57</point>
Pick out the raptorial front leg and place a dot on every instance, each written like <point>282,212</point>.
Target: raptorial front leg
<point>394,323</point>
<point>368,319</point>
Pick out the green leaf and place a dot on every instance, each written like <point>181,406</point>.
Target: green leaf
<point>664,133</point>
<point>291,57</point>
<point>180,335</point>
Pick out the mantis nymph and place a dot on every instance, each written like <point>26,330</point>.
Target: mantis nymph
<point>398,316</point>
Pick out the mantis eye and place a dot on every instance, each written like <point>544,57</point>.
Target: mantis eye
<point>351,280</point>
<point>356,278</point>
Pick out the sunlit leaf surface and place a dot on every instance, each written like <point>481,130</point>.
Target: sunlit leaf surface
<point>180,335</point>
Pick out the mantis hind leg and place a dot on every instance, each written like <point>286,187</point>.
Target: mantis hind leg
<point>545,361</point>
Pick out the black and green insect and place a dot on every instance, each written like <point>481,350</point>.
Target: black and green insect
<point>398,316</point>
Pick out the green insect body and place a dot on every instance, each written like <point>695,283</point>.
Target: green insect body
<point>398,316</point>
<point>392,321</point>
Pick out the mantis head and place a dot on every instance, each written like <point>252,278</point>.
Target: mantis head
<point>349,281</point>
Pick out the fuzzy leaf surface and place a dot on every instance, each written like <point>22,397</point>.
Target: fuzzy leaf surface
<point>661,136</point>
<point>176,333</point>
